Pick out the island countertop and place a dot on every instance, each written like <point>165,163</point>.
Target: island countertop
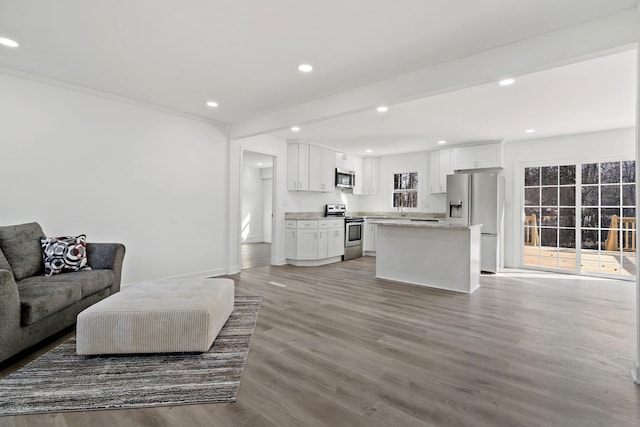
<point>419,223</point>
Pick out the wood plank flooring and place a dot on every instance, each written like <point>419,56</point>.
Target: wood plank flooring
<point>255,255</point>
<point>338,347</point>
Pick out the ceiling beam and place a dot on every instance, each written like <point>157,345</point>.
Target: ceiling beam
<point>605,35</point>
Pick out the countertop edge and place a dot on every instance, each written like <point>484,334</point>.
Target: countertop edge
<point>423,224</point>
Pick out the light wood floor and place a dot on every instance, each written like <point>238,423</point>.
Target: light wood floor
<point>255,255</point>
<point>337,347</point>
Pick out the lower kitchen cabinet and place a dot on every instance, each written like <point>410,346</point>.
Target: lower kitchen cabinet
<point>314,242</point>
<point>369,238</point>
<point>335,241</point>
<point>307,242</point>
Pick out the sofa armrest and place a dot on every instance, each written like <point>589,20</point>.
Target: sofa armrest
<point>107,256</point>
<point>9,315</point>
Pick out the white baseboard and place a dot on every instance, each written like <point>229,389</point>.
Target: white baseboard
<point>314,263</point>
<point>195,275</point>
<point>253,239</point>
<point>233,270</point>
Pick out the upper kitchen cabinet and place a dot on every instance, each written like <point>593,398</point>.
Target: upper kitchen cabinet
<point>357,169</point>
<point>477,156</point>
<point>345,161</point>
<point>370,175</point>
<point>298,167</point>
<point>439,168</point>
<point>321,169</point>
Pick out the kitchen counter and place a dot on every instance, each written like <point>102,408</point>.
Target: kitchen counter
<point>398,215</point>
<point>367,215</point>
<point>417,223</point>
<point>438,255</point>
<point>307,216</point>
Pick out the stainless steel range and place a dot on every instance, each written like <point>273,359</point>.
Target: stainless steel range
<point>354,228</point>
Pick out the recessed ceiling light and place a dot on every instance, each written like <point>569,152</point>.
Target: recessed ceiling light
<point>442,141</point>
<point>369,150</point>
<point>506,82</point>
<point>382,109</point>
<point>8,42</point>
<point>212,104</point>
<point>259,164</point>
<point>295,129</point>
<point>305,68</point>
<point>530,130</point>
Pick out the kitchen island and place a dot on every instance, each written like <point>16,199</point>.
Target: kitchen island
<point>434,254</point>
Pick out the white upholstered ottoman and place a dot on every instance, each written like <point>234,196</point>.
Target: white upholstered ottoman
<point>160,317</point>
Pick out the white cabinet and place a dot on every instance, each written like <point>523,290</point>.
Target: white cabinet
<point>307,244</point>
<point>290,245</point>
<point>357,169</point>
<point>344,161</point>
<point>369,237</point>
<point>321,169</point>
<point>439,168</point>
<point>477,156</point>
<point>335,238</point>
<point>489,156</point>
<point>370,175</point>
<point>322,244</point>
<point>314,242</point>
<point>298,167</point>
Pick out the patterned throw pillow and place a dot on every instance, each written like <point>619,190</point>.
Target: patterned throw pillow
<point>64,254</point>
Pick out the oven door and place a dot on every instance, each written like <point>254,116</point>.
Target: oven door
<point>353,234</point>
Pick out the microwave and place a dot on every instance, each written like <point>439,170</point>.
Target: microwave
<point>345,178</point>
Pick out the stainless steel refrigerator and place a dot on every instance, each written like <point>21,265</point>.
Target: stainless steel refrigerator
<point>478,198</point>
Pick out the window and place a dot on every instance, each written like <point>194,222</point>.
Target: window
<point>405,190</point>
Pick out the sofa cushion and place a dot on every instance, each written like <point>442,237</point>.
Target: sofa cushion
<point>21,245</point>
<point>4,264</point>
<point>39,299</point>
<point>64,254</point>
<point>91,281</point>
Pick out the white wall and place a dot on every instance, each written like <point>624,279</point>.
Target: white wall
<point>409,162</point>
<point>267,201</point>
<point>597,146</point>
<point>79,163</point>
<point>252,205</point>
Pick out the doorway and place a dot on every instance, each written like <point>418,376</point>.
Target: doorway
<point>257,209</point>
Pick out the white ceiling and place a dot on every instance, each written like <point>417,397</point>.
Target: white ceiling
<point>243,54</point>
<point>584,97</point>
<point>251,159</point>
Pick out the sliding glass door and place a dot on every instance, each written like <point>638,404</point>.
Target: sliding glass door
<point>550,217</point>
<point>589,206</point>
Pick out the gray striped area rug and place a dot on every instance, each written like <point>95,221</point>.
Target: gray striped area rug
<point>61,380</point>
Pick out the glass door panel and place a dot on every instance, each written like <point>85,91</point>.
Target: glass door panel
<point>550,217</point>
<point>608,223</point>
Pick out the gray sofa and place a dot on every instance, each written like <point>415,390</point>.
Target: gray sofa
<point>33,306</point>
